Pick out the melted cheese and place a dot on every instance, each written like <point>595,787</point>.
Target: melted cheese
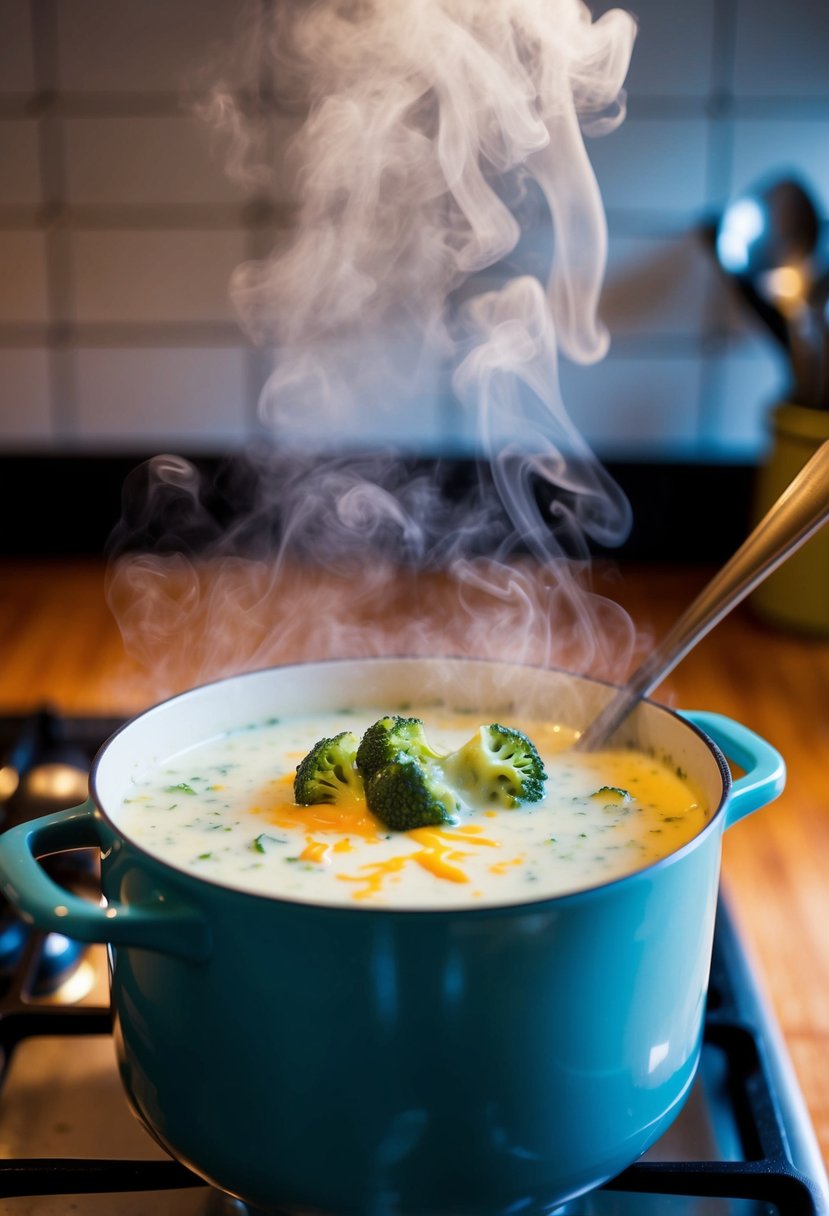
<point>225,810</point>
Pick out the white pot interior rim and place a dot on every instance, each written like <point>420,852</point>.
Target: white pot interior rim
<point>395,684</point>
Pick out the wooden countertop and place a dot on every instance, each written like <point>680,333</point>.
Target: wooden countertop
<point>60,644</point>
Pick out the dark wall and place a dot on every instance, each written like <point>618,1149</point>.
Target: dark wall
<point>70,505</point>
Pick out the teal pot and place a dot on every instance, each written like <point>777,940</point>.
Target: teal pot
<point>356,1061</point>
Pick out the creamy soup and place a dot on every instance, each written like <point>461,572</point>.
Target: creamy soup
<point>225,811</point>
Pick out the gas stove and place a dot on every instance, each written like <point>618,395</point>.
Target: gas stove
<point>69,1144</point>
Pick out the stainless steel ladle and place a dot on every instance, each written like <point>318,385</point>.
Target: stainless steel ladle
<point>798,513</point>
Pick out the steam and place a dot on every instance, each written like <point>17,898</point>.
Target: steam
<point>431,125</point>
<point>436,133</point>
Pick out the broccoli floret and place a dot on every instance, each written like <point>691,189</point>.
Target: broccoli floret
<point>410,785</point>
<point>498,766</point>
<point>386,739</point>
<point>327,774</point>
<point>611,793</point>
<point>406,794</point>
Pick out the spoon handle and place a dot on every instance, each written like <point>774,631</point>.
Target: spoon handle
<point>801,509</point>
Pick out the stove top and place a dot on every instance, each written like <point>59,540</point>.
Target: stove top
<point>742,1146</point>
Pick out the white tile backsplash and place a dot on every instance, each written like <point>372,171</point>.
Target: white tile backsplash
<point>152,46</point>
<point>635,408</point>
<point>743,387</point>
<point>674,47</point>
<point>16,66</point>
<point>781,50</point>
<point>19,164</point>
<point>146,219</point>
<point>653,165</point>
<point>145,398</point>
<point>657,286</point>
<point>23,289</point>
<point>178,276</point>
<point>785,148</point>
<point>400,405</point>
<point>135,161</point>
<point>25,411</point>
<point>626,408</point>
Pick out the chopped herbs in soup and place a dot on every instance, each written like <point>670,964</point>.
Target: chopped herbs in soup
<point>472,815</point>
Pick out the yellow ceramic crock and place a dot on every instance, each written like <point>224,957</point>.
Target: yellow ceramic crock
<point>796,595</point>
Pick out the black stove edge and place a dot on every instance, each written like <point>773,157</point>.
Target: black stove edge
<point>786,1168</point>
<point>799,1139</point>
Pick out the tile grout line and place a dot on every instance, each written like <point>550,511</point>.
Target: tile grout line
<point>719,174</point>
<point>51,150</point>
<point>256,359</point>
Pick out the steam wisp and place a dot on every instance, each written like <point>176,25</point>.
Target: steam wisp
<point>436,132</point>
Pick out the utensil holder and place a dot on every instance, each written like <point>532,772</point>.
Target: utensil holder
<point>796,596</point>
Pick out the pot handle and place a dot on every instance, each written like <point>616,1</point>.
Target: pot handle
<point>764,770</point>
<point>166,926</point>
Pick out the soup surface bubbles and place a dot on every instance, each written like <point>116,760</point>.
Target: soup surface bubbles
<point>225,811</point>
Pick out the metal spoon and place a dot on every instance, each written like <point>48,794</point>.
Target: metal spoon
<point>798,513</point>
<point>768,229</point>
